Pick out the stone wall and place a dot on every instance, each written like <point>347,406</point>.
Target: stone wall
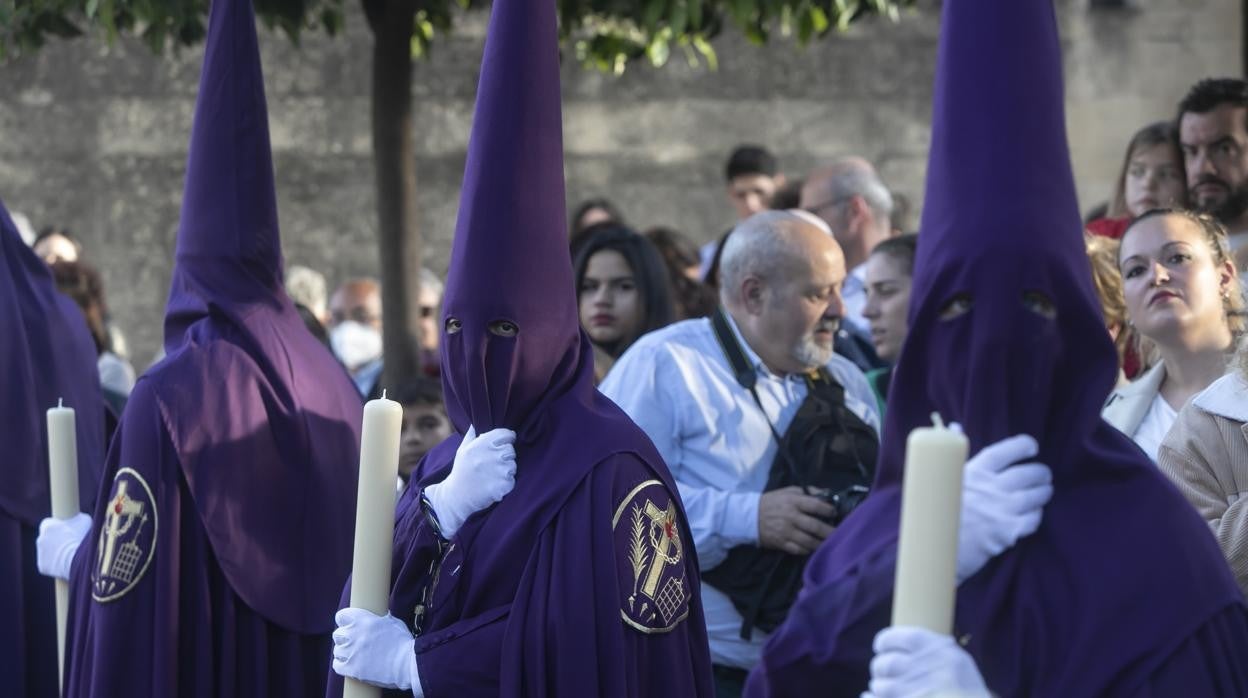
<point>93,136</point>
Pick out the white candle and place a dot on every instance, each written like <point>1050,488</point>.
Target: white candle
<point>931,507</point>
<point>63,471</point>
<point>374,517</point>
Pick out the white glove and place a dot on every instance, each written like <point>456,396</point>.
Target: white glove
<point>58,541</point>
<point>484,471</point>
<point>1001,502</point>
<point>912,662</point>
<point>378,650</point>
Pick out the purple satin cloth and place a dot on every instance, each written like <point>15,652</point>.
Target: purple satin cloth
<point>549,592</point>
<point>171,622</point>
<point>48,356</point>
<point>246,434</point>
<point>1121,570</point>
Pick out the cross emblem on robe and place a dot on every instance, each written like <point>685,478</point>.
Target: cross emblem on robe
<point>667,548</point>
<point>122,512</point>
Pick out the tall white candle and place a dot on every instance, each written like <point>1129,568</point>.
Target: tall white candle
<point>374,517</point>
<point>931,507</point>
<point>63,472</point>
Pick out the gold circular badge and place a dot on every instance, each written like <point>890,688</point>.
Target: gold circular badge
<point>650,555</point>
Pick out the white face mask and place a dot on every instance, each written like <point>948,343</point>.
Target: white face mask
<point>355,344</point>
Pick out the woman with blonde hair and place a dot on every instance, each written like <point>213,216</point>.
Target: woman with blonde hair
<point>1103,256</point>
<point>1206,456</point>
<point>1152,176</point>
<point>1183,296</point>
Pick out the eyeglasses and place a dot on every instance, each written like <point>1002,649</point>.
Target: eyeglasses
<point>357,314</point>
<point>816,208</point>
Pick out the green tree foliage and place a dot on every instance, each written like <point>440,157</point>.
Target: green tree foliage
<point>606,34</point>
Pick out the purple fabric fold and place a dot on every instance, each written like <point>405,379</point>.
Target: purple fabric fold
<point>535,596</point>
<point>1120,569</point>
<point>48,356</point>
<point>236,479</point>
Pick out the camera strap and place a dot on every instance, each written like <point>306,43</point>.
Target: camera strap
<point>747,377</point>
<point>819,451</point>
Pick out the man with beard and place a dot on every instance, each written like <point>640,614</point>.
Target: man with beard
<point>1213,133</point>
<point>718,396</point>
<point>1080,573</point>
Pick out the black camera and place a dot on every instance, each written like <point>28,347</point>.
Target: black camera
<point>844,501</point>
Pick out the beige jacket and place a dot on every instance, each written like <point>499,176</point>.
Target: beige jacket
<point>1206,456</point>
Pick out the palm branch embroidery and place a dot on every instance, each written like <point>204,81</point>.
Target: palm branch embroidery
<point>637,551</point>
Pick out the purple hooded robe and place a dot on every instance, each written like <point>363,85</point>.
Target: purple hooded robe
<point>583,580</point>
<point>1122,591</point>
<point>223,531</point>
<point>47,355</point>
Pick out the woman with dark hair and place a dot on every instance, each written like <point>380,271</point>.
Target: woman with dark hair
<point>691,297</point>
<point>1152,176</point>
<point>890,268</point>
<point>622,290</point>
<point>679,254</point>
<point>82,283</point>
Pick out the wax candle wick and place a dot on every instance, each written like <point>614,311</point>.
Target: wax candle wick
<point>60,402</point>
<point>936,420</point>
<point>383,393</point>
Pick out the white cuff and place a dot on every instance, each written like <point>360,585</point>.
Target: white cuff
<point>444,509</point>
<point>741,523</point>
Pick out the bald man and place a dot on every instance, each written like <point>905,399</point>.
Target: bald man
<point>849,196</point>
<point>715,395</point>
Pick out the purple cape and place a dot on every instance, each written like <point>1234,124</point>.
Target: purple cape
<point>583,580</point>
<point>224,533</point>
<point>1122,591</point>
<point>538,596</point>
<point>47,354</point>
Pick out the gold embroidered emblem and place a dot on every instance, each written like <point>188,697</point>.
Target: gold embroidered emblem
<point>127,539</point>
<point>658,589</point>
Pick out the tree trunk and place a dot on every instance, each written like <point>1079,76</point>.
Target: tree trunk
<point>392,23</point>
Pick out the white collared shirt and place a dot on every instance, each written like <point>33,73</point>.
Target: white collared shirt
<point>678,386</point>
<point>1155,425</point>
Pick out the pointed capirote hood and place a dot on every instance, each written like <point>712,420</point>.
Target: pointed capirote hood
<point>48,356</point>
<point>999,166</point>
<point>510,269</point>
<point>228,253</point>
<point>513,355</point>
<point>264,420</point>
<point>1002,240</point>
<point>1006,337</point>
